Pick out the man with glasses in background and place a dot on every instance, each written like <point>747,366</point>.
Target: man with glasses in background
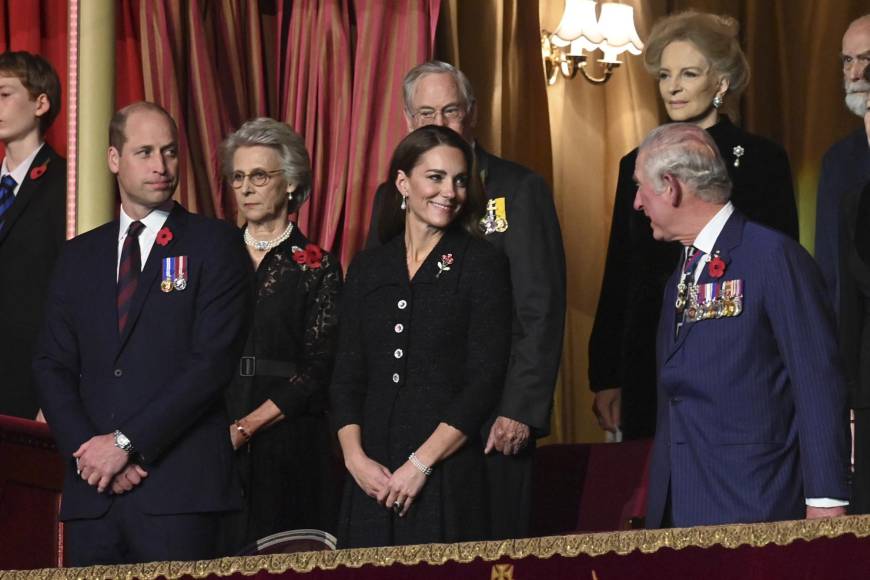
<point>520,219</point>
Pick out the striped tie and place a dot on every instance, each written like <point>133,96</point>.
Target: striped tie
<point>7,195</point>
<point>128,272</point>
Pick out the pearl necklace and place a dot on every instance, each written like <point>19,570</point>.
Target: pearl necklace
<point>266,245</point>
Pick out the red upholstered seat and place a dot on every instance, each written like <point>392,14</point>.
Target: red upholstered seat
<point>31,480</point>
<point>589,487</point>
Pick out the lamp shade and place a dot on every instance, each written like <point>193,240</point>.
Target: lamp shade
<point>578,20</point>
<point>616,25</point>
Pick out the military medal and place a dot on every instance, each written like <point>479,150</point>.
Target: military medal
<point>168,274</point>
<point>174,274</point>
<point>495,218</point>
<point>180,281</point>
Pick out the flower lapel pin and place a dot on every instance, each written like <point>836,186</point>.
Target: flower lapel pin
<point>444,264</point>
<point>716,266</point>
<point>38,171</point>
<point>311,257</point>
<point>164,236</point>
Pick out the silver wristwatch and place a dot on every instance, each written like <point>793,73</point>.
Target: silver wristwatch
<point>123,443</point>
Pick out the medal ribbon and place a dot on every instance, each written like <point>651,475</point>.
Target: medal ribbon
<point>182,267</point>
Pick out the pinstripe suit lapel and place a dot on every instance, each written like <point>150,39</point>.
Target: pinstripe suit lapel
<point>730,237</point>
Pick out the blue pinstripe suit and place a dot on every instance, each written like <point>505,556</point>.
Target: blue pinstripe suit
<point>752,408</point>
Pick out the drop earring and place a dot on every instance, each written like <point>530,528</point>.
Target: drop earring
<point>404,205</point>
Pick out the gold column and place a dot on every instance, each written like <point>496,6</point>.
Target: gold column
<point>95,185</point>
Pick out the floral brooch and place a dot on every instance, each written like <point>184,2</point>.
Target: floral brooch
<point>716,267</point>
<point>164,236</point>
<point>444,264</point>
<point>38,171</point>
<point>738,152</point>
<point>309,257</point>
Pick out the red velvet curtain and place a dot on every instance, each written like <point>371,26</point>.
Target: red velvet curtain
<point>40,26</point>
<point>332,69</point>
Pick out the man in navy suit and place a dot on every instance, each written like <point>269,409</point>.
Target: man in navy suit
<point>752,422</point>
<point>32,218</point>
<point>846,165</point>
<point>145,321</point>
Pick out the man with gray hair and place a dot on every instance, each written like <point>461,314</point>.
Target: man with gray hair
<point>751,401</point>
<point>846,165</point>
<point>520,220</point>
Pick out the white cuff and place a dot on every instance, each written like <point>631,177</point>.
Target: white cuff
<point>825,502</point>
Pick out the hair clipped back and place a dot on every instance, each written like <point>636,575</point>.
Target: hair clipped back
<point>716,36</point>
<point>267,132</point>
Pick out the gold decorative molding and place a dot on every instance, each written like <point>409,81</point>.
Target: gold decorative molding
<point>621,543</point>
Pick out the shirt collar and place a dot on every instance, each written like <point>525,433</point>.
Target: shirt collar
<point>20,172</point>
<point>710,233</point>
<point>153,221</point>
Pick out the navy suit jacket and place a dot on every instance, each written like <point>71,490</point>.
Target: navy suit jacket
<point>752,415</point>
<point>161,382</point>
<point>31,238</point>
<point>845,171</point>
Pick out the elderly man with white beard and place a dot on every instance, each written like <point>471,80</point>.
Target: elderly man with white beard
<point>846,165</point>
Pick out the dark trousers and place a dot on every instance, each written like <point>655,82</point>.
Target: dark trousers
<point>127,535</point>
<point>509,478</point>
<point>860,503</point>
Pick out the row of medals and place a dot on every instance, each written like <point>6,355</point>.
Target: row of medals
<point>726,305</point>
<point>168,285</point>
<point>490,222</point>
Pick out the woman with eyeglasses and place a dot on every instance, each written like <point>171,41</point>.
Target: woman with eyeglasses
<point>278,400</point>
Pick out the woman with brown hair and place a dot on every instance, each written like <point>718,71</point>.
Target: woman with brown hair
<point>425,333</point>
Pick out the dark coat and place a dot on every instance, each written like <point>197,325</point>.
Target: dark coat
<point>752,415</point>
<point>30,241</point>
<point>533,246</point>
<point>845,171</point>
<point>621,347</point>
<point>161,383</point>
<point>288,470</point>
<point>412,355</point>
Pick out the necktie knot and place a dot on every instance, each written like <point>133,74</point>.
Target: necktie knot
<point>8,182</point>
<point>135,229</point>
<point>692,255</point>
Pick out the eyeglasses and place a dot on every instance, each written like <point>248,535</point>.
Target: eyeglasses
<point>448,113</point>
<point>258,177</point>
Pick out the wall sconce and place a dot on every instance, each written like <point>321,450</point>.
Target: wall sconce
<point>579,30</point>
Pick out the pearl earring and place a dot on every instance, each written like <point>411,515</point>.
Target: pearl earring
<point>717,101</point>
<point>404,205</point>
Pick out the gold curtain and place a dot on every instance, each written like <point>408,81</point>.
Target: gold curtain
<point>795,98</point>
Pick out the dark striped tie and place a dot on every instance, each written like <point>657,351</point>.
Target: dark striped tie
<point>7,195</point>
<point>128,272</point>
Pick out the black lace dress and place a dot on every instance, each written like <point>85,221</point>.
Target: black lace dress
<point>288,470</point>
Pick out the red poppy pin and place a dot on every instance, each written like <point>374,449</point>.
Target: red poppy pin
<point>716,267</point>
<point>37,171</point>
<point>164,236</point>
<point>311,257</point>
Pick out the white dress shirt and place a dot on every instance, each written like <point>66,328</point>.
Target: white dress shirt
<point>19,174</point>
<point>152,222</point>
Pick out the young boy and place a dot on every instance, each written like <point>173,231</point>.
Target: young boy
<point>32,218</point>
